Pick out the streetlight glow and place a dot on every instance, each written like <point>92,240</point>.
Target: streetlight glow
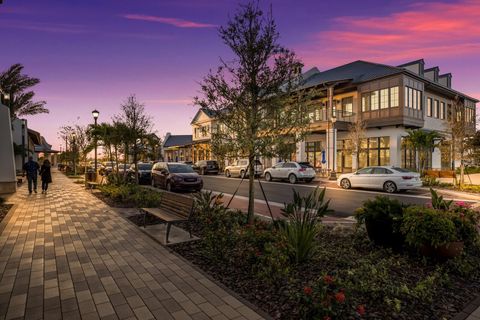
<point>95,114</point>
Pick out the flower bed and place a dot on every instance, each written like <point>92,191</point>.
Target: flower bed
<point>128,196</point>
<point>342,275</point>
<point>4,208</point>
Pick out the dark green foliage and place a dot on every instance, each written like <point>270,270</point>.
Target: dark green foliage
<point>303,224</point>
<point>2,200</point>
<point>438,202</point>
<point>131,194</point>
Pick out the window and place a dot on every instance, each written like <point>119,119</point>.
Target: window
<point>435,109</point>
<point>311,116</point>
<point>413,98</point>
<point>376,152</point>
<point>374,100</point>
<point>313,151</point>
<point>393,97</point>
<point>410,98</point>
<point>347,106</point>
<point>366,102</point>
<point>383,98</point>
<point>429,107</point>
<point>380,171</point>
<point>289,165</point>
<point>278,165</point>
<point>442,110</point>
<point>365,171</point>
<point>419,100</point>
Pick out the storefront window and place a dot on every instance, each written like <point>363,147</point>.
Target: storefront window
<point>314,153</point>
<point>375,152</point>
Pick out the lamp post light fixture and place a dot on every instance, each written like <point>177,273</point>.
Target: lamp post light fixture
<point>73,147</point>
<point>333,173</point>
<point>95,115</point>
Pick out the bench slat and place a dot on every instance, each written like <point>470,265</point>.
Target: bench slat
<point>164,215</point>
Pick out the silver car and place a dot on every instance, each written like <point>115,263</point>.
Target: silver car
<point>240,169</point>
<point>291,171</point>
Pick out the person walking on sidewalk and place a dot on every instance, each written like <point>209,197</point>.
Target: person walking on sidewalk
<point>31,169</point>
<point>46,175</point>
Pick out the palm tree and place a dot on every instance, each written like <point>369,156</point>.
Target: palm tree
<point>422,142</point>
<point>17,85</point>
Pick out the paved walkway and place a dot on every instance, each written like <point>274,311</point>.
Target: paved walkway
<point>66,255</point>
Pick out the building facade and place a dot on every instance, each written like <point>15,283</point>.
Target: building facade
<point>390,99</point>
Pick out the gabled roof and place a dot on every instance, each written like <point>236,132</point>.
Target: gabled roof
<point>178,140</point>
<point>209,113</point>
<point>355,72</point>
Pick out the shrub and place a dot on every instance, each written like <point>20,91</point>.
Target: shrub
<point>2,200</point>
<point>302,227</point>
<point>382,217</point>
<point>438,202</point>
<point>426,226</point>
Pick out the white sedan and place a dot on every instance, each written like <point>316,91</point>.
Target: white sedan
<point>389,179</point>
<point>291,171</point>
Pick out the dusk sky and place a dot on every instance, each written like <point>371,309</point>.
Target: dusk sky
<point>94,53</point>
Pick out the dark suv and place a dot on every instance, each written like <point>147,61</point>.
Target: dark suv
<point>174,176</point>
<point>206,166</point>
<point>144,172</point>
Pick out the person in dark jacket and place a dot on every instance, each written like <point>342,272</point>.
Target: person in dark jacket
<point>31,169</point>
<point>46,175</point>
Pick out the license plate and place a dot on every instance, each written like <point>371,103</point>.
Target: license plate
<point>190,180</point>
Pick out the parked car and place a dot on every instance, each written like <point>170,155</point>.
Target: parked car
<point>291,171</point>
<point>144,172</point>
<point>390,179</point>
<point>206,167</point>
<point>122,167</point>
<point>108,167</point>
<point>240,169</point>
<point>174,176</point>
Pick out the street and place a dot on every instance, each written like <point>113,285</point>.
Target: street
<point>344,202</point>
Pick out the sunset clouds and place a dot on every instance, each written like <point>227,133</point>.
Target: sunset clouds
<point>180,23</point>
<point>425,30</point>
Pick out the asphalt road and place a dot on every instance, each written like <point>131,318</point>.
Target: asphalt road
<point>344,202</point>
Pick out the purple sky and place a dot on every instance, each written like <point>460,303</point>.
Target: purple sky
<point>93,54</point>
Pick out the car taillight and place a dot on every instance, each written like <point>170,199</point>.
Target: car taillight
<point>407,177</point>
<point>302,169</point>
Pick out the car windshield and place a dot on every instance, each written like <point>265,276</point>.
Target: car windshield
<point>401,170</point>
<point>211,163</point>
<point>145,166</point>
<point>305,165</point>
<point>180,168</point>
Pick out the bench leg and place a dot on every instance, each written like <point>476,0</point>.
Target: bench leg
<point>168,231</point>
<point>190,229</point>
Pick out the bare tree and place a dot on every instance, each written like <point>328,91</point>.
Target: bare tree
<point>356,133</point>
<point>254,96</point>
<point>83,142</point>
<point>460,133</point>
<point>136,124</point>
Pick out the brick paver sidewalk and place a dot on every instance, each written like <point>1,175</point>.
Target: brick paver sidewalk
<point>67,255</point>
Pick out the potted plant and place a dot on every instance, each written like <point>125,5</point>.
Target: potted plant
<point>382,217</point>
<point>434,232</point>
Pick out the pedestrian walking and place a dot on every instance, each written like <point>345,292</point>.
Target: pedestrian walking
<point>31,168</point>
<point>46,175</point>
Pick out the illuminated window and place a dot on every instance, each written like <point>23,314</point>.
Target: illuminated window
<point>383,98</point>
<point>435,109</point>
<point>347,106</point>
<point>429,107</point>
<point>442,110</point>
<point>393,97</point>
<point>374,100</point>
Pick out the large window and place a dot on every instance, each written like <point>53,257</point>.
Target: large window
<point>374,100</point>
<point>394,97</point>
<point>380,99</point>
<point>344,156</point>
<point>347,106</point>
<point>375,152</point>
<point>435,109</point>
<point>429,107</point>
<point>314,153</point>
<point>413,98</point>
<point>442,110</point>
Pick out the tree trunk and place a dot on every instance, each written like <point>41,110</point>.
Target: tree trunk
<point>462,173</point>
<point>125,159</point>
<point>251,188</point>
<point>135,155</point>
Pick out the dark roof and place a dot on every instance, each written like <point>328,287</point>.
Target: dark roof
<point>355,72</point>
<point>44,147</point>
<point>178,140</point>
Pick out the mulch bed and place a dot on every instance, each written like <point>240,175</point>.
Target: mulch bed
<point>276,301</point>
<point>4,208</point>
<point>111,202</point>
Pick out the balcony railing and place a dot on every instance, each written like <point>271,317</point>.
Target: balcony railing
<point>322,115</point>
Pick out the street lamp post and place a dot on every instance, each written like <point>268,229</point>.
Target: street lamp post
<point>95,115</point>
<point>74,153</point>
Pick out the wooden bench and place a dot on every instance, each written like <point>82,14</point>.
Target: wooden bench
<point>173,208</point>
<point>93,184</point>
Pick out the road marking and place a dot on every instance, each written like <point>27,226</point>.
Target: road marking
<point>352,190</point>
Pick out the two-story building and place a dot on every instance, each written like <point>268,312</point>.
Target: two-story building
<point>390,99</point>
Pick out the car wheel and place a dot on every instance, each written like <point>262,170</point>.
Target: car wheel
<point>242,174</point>
<point>227,174</point>
<point>345,183</point>
<point>292,178</point>
<point>390,187</point>
<point>268,176</point>
<point>308,180</point>
<point>169,186</point>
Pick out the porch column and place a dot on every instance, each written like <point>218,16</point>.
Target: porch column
<point>331,136</point>
<point>436,159</point>
<point>301,156</point>
<point>8,181</point>
<point>396,150</point>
